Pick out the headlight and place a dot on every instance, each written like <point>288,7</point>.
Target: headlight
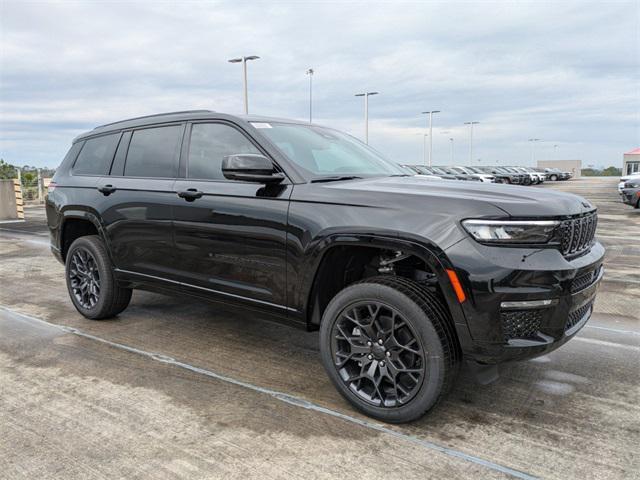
<point>632,185</point>
<point>511,231</point>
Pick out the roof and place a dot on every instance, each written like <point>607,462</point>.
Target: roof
<point>177,117</point>
<point>635,151</point>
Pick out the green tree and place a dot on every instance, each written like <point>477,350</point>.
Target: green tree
<point>612,172</point>
<point>7,171</point>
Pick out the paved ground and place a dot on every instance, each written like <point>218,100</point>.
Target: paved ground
<point>176,388</point>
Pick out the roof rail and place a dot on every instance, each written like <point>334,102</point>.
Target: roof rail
<point>154,115</point>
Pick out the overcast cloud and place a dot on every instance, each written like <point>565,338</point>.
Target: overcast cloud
<point>565,72</point>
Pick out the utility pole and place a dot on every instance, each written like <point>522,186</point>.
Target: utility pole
<point>366,113</point>
<point>431,131</point>
<point>471,124</point>
<point>244,61</point>
<point>310,72</point>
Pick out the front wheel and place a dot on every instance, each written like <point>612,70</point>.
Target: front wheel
<point>90,281</point>
<point>389,348</point>
<point>553,178</point>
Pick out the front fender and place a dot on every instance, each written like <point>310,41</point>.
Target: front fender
<point>422,248</point>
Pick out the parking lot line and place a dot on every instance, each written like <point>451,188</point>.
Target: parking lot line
<point>283,397</point>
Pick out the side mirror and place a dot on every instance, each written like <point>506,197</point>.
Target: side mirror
<point>248,167</point>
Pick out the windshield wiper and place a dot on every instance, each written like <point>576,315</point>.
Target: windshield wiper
<point>334,179</point>
<point>401,175</point>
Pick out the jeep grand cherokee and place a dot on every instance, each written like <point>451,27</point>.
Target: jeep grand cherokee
<point>403,276</point>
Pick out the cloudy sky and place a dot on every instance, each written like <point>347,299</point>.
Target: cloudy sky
<point>565,72</point>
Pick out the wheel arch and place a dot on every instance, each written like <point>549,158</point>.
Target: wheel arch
<point>318,256</point>
<point>78,222</point>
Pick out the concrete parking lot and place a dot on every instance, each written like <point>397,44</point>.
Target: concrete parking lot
<point>177,388</point>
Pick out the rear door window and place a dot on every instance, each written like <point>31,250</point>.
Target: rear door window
<point>154,152</point>
<point>96,155</point>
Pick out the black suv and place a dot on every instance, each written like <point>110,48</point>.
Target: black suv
<point>404,277</point>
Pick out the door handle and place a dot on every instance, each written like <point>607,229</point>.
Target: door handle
<point>190,194</point>
<point>107,189</point>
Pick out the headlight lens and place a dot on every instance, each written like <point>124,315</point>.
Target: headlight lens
<point>511,231</point>
<point>632,185</point>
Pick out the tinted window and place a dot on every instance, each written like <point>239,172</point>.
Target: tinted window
<point>210,143</point>
<point>96,155</point>
<point>153,152</point>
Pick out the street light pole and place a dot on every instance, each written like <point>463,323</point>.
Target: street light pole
<point>431,132</point>
<point>533,146</point>
<point>244,77</point>
<point>451,140</point>
<point>310,72</point>
<point>471,124</point>
<point>366,113</point>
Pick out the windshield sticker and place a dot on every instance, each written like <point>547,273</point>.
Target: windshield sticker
<point>261,125</point>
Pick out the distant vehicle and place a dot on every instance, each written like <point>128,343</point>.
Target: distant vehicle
<point>536,177</point>
<point>459,175</point>
<point>417,172</point>
<point>628,178</point>
<point>555,174</point>
<point>631,192</point>
<point>526,178</point>
<point>428,172</point>
<point>483,177</point>
<point>502,176</point>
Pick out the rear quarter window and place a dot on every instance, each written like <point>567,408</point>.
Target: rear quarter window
<point>96,155</point>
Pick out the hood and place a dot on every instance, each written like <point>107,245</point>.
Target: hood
<point>516,201</point>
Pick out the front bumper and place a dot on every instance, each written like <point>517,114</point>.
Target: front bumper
<point>523,303</point>
<point>630,196</point>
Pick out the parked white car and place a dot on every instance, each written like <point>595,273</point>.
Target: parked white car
<point>482,176</point>
<point>626,179</point>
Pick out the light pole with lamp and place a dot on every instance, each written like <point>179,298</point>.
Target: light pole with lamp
<point>310,72</point>
<point>366,96</point>
<point>430,132</point>
<point>244,61</point>
<point>471,124</point>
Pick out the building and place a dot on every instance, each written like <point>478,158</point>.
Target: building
<point>573,166</point>
<point>631,162</point>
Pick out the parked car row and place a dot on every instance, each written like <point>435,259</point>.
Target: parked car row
<point>629,190</point>
<point>488,174</point>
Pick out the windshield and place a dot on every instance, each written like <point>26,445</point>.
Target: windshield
<point>323,152</point>
<point>475,169</point>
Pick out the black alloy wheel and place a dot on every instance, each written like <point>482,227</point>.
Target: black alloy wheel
<point>377,354</point>
<point>84,278</point>
<point>91,283</point>
<point>389,347</point>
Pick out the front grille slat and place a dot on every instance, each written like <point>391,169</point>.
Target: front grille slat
<point>577,234</point>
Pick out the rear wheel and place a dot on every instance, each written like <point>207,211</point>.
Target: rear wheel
<point>90,281</point>
<point>389,348</point>
<point>553,178</point>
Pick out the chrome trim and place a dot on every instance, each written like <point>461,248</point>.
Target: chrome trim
<point>529,304</point>
<point>232,295</point>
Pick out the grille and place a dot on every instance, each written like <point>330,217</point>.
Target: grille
<point>520,323</point>
<point>576,235</point>
<point>576,316</point>
<point>583,281</point>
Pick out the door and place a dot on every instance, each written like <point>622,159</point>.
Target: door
<point>230,240</point>
<point>138,199</point>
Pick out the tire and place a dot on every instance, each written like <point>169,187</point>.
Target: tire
<point>423,373</point>
<point>553,178</point>
<point>90,281</point>
<point>507,180</point>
